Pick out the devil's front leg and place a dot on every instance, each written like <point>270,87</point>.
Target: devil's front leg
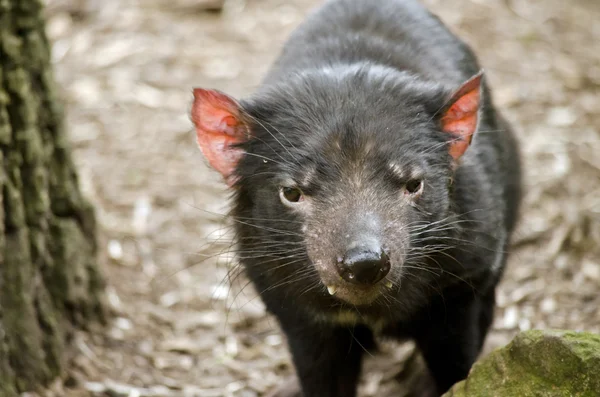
<point>452,333</point>
<point>327,359</point>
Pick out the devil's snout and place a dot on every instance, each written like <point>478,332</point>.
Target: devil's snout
<point>362,265</point>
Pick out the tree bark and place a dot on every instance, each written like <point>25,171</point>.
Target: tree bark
<point>49,280</point>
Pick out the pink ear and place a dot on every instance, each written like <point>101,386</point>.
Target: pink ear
<point>219,125</point>
<point>461,116</point>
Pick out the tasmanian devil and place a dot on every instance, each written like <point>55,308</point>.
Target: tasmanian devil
<point>375,189</point>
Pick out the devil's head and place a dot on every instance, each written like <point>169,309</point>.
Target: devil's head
<point>342,177</point>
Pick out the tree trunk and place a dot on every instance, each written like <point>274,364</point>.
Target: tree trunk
<point>49,281</point>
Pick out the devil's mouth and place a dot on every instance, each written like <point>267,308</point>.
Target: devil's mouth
<point>332,289</point>
<point>339,289</point>
<point>358,295</point>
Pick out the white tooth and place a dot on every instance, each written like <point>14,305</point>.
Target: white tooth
<point>331,289</point>
<point>389,284</point>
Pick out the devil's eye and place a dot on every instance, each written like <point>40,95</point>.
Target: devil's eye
<point>414,186</point>
<point>290,194</point>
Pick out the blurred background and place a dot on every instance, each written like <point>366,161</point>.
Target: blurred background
<point>126,69</point>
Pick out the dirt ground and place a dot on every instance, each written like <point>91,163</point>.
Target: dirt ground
<point>126,69</point>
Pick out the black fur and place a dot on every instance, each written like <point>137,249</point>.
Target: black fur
<point>359,86</point>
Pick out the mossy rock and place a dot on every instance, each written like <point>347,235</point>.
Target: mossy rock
<point>537,364</point>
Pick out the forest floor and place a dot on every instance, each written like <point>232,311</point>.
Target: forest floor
<point>126,69</point>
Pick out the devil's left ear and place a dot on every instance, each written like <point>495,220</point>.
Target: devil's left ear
<point>460,116</point>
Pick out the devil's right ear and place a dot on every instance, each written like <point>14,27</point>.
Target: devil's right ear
<point>460,117</point>
<point>220,125</point>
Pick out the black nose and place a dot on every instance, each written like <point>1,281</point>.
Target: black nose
<point>364,266</point>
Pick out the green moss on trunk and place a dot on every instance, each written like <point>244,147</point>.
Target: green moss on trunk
<point>49,281</point>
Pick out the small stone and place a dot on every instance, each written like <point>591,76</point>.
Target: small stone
<point>231,346</point>
<point>511,317</point>
<point>548,305</point>
<point>115,250</point>
<point>273,340</point>
<point>561,262</point>
<point>113,298</point>
<point>170,298</point>
<point>59,25</point>
<point>86,91</point>
<point>176,361</point>
<point>95,387</point>
<point>123,323</point>
<point>234,387</point>
<point>591,270</point>
<point>561,117</point>
<point>186,362</point>
<point>141,212</point>
<point>524,324</point>
<point>220,292</point>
